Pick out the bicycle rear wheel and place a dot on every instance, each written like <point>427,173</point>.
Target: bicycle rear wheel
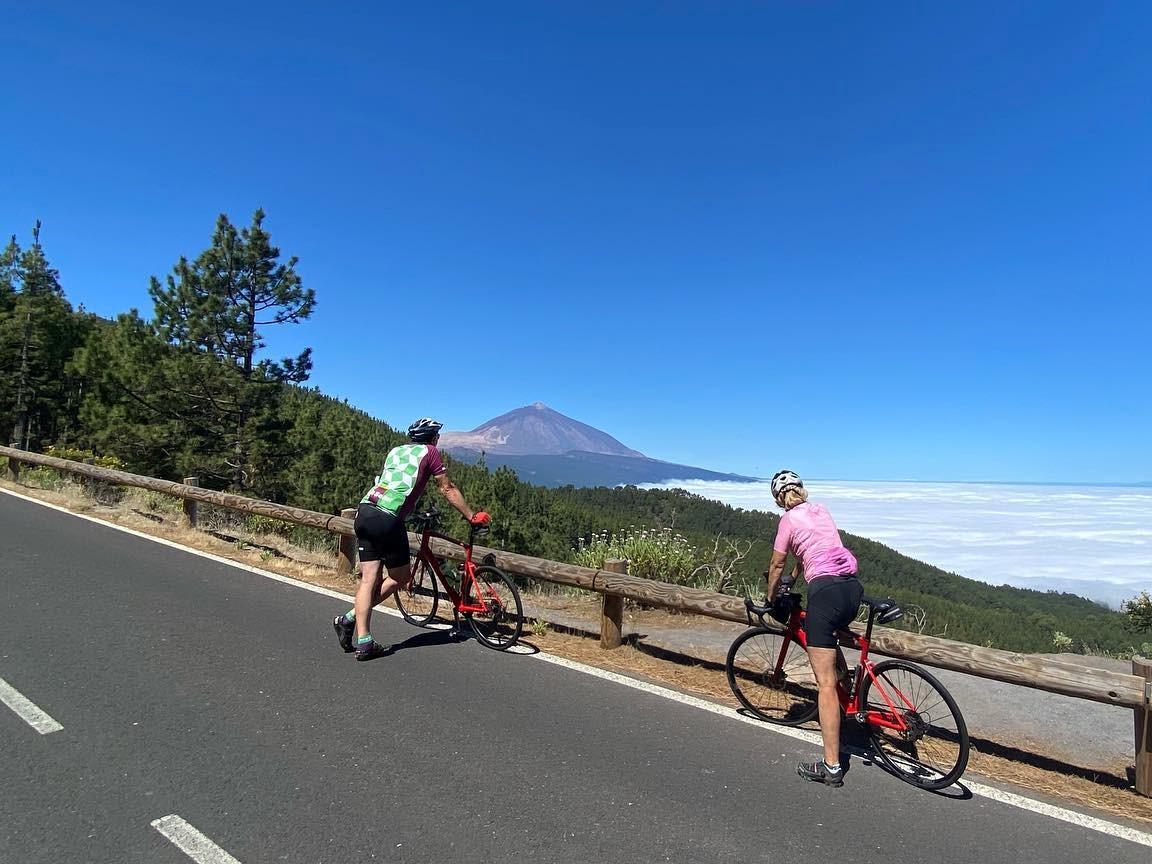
<point>419,599</point>
<point>500,625</point>
<point>771,676</point>
<point>931,752</point>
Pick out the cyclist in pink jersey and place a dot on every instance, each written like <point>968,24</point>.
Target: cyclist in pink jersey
<point>808,532</point>
<point>382,539</point>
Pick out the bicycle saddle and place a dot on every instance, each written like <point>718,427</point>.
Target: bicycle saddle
<point>886,609</point>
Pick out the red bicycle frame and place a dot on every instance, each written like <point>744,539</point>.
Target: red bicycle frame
<point>461,600</point>
<point>893,717</point>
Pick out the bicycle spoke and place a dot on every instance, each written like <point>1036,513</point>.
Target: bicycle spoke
<point>772,679</point>
<point>500,624</point>
<point>930,746</point>
<point>419,599</point>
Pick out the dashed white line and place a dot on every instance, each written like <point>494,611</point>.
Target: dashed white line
<point>1064,815</point>
<point>191,842</point>
<point>26,710</point>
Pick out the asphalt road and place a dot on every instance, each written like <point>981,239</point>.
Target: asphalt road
<point>189,687</point>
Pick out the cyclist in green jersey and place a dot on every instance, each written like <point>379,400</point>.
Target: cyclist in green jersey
<point>381,537</point>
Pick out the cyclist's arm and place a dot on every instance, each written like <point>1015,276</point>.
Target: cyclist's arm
<point>775,571</point>
<point>448,490</point>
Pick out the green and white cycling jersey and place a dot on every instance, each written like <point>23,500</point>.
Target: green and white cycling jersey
<point>402,480</point>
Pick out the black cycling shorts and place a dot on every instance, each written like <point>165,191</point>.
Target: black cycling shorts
<point>381,536</point>
<point>833,602</point>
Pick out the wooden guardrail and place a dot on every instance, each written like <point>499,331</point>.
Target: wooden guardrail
<point>1026,670</point>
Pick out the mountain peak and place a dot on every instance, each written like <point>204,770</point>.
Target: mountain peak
<point>535,430</point>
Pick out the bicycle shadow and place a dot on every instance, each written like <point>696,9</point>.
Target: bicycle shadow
<point>856,744</point>
<point>523,648</point>
<point>448,636</point>
<point>427,639</point>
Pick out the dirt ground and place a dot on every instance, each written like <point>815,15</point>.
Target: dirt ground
<point>1066,749</point>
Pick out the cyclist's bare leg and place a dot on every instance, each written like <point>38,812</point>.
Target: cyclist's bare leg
<point>373,590</point>
<point>823,662</point>
<point>366,593</point>
<point>396,579</point>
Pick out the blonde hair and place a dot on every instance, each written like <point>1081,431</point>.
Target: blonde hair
<point>789,498</point>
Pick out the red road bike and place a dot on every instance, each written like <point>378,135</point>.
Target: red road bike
<point>916,728</point>
<point>485,596</point>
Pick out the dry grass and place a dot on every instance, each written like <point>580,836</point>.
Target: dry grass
<point>1015,762</point>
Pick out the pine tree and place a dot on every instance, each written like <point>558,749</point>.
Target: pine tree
<point>9,275</point>
<point>220,302</point>
<point>162,411</point>
<point>38,333</point>
<point>213,310</point>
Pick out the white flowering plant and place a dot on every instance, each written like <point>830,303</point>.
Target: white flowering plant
<point>662,554</point>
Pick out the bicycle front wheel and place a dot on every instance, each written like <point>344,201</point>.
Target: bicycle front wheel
<point>500,625</point>
<point>771,676</point>
<point>418,600</point>
<point>916,727</point>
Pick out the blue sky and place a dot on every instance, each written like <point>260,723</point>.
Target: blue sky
<point>864,241</point>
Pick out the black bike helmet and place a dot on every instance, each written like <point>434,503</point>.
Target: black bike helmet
<point>424,430</point>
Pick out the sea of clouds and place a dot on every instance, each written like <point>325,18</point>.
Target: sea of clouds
<point>1086,540</point>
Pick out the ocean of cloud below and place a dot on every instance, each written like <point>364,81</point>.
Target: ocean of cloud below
<point>1091,541</point>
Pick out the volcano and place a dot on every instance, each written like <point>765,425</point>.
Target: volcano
<point>548,448</point>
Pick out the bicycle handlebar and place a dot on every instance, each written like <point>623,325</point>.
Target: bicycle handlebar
<point>753,609</point>
<point>779,609</point>
<point>430,520</point>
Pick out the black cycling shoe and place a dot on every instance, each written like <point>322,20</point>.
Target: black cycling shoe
<point>344,632</point>
<point>819,772</point>
<point>372,650</point>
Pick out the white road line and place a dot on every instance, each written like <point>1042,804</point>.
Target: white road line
<point>728,713</point>
<point>191,842</point>
<point>27,711</point>
<point>1084,821</point>
<point>1081,819</point>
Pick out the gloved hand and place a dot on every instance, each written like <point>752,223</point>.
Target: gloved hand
<point>782,607</point>
<point>481,518</point>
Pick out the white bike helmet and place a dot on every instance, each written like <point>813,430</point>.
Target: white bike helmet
<point>784,480</point>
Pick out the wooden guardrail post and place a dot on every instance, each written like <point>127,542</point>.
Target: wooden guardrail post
<point>1142,668</point>
<point>346,557</point>
<point>612,615</point>
<point>190,503</point>
<point>13,472</point>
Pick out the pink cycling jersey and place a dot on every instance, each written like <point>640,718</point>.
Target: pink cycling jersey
<point>807,530</point>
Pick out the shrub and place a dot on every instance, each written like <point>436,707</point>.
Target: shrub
<point>100,490</point>
<point>75,455</point>
<point>657,553</point>
<point>1138,613</point>
<point>44,478</point>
